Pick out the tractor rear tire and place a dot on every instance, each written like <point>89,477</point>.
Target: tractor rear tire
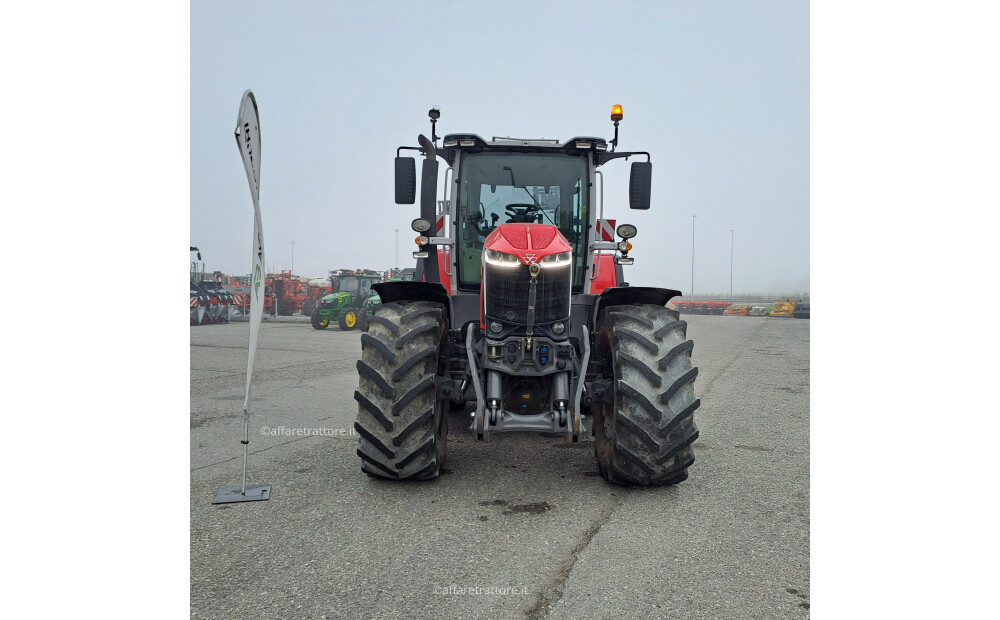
<point>402,427</point>
<point>317,322</point>
<point>645,437</point>
<point>349,318</point>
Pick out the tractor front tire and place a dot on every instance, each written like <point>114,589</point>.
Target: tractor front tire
<point>317,321</point>
<point>645,437</point>
<point>402,427</point>
<point>348,318</point>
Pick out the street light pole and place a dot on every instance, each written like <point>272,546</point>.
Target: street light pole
<point>397,249</point>
<point>731,235</point>
<point>293,256</point>
<point>692,254</point>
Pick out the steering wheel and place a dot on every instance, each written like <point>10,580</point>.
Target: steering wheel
<point>522,213</point>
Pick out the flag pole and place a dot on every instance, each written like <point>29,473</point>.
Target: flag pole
<point>248,141</point>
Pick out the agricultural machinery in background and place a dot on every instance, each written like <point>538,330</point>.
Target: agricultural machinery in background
<point>226,303</point>
<point>211,303</point>
<point>702,307</point>
<point>291,292</point>
<point>216,298</point>
<point>318,289</point>
<point>791,308</point>
<point>351,302</point>
<point>518,307</point>
<point>200,303</point>
<point>784,308</point>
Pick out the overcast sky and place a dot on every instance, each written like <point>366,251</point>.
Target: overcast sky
<point>904,163</point>
<point>718,92</point>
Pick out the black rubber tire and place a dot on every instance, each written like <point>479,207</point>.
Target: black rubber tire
<point>315,320</point>
<point>402,427</point>
<point>342,320</point>
<point>645,438</point>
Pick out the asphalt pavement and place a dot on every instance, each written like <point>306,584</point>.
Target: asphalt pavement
<point>521,526</point>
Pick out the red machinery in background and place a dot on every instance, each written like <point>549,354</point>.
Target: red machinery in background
<point>701,307</point>
<point>291,292</point>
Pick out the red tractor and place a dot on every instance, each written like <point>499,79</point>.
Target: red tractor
<point>518,308</point>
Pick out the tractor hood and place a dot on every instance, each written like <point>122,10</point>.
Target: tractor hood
<point>334,297</point>
<point>530,243</point>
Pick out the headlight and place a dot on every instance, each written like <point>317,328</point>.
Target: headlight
<point>557,260</point>
<point>501,259</point>
<point>626,231</point>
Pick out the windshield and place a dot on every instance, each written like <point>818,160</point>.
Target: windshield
<point>354,285</point>
<point>503,188</point>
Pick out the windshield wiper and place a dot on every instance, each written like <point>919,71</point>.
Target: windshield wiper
<point>530,195</point>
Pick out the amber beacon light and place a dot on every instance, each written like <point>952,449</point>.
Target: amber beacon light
<point>616,113</point>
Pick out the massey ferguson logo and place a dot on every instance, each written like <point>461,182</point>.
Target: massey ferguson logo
<point>531,259</point>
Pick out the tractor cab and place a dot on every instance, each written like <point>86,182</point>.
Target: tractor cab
<point>530,182</point>
<point>358,286</point>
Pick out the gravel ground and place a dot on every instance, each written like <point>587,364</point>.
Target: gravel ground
<point>519,527</point>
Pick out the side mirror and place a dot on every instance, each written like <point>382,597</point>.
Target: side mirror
<point>639,183</point>
<point>406,180</point>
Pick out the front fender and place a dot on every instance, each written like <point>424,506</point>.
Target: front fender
<point>414,291</point>
<point>621,295</point>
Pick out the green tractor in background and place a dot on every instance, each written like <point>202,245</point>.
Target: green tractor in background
<point>352,300</point>
<point>350,303</point>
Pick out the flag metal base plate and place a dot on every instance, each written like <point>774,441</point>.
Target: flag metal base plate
<point>256,493</point>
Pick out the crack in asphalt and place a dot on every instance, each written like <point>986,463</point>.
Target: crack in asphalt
<point>553,592</point>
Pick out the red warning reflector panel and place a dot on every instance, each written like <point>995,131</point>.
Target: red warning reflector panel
<point>606,229</point>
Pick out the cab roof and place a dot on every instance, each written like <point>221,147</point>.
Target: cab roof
<point>471,142</point>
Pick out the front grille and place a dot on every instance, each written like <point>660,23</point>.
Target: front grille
<point>506,294</point>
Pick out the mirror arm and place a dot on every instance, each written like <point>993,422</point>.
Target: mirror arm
<point>603,158</point>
